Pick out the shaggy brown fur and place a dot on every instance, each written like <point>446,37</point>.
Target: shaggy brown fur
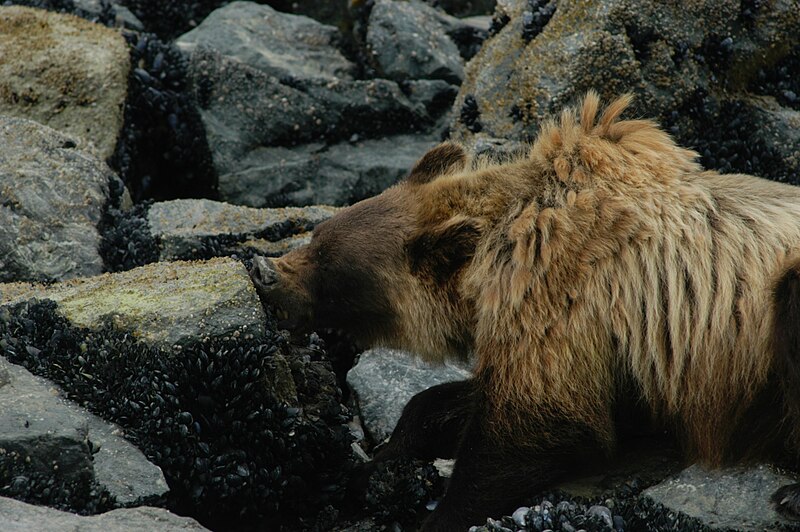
<point>605,261</point>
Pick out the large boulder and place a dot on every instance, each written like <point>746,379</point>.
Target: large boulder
<point>46,441</point>
<point>165,304</point>
<point>245,109</point>
<point>248,428</point>
<point>18,516</point>
<point>276,43</point>
<point>64,72</point>
<point>190,229</point>
<point>54,192</point>
<point>278,99</point>
<point>690,65</point>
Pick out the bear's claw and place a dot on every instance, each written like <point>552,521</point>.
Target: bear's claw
<point>787,501</point>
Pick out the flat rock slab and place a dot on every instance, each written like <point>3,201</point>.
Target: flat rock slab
<point>384,380</point>
<point>16,516</point>
<point>186,226</point>
<point>728,498</point>
<point>277,43</point>
<point>64,72</point>
<point>51,436</point>
<point>53,192</point>
<point>165,303</point>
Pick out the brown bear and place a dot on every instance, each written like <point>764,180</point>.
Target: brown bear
<point>602,274</point>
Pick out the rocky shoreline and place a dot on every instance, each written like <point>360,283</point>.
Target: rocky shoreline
<point>148,149</point>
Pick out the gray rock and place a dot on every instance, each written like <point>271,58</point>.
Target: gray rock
<point>736,498</point>
<point>407,41</point>
<point>245,109</point>
<point>94,9</point>
<point>185,227</point>
<point>165,303</point>
<point>64,72</point>
<point>665,53</point>
<point>16,516</point>
<point>41,432</point>
<point>278,44</point>
<point>54,190</point>
<point>384,380</point>
<point>340,174</point>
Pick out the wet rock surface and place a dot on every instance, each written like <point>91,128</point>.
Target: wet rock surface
<point>245,110</point>
<point>279,99</point>
<point>63,72</point>
<point>45,438</point>
<point>266,109</point>
<point>54,191</point>
<point>384,380</point>
<point>16,516</point>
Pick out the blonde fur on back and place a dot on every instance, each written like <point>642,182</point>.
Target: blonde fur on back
<point>608,255</point>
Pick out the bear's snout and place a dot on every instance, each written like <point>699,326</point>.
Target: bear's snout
<point>263,274</point>
<point>280,288</point>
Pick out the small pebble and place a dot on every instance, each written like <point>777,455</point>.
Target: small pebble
<point>519,515</point>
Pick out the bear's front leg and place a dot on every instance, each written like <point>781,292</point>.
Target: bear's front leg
<point>432,423</point>
<point>430,427</point>
<point>498,466</point>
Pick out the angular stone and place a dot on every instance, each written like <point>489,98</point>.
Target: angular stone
<point>53,192</point>
<point>736,498</point>
<point>407,41</point>
<point>64,72</point>
<point>16,516</point>
<point>184,226</point>
<point>164,303</point>
<point>51,436</point>
<point>278,44</point>
<point>384,380</point>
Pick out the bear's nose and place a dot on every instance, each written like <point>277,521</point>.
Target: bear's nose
<point>263,274</point>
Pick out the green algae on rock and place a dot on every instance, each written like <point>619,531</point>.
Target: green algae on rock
<point>162,303</point>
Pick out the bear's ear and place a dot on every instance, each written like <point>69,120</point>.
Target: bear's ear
<point>438,253</point>
<point>446,158</point>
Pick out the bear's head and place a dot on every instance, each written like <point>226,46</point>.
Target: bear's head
<point>384,270</point>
